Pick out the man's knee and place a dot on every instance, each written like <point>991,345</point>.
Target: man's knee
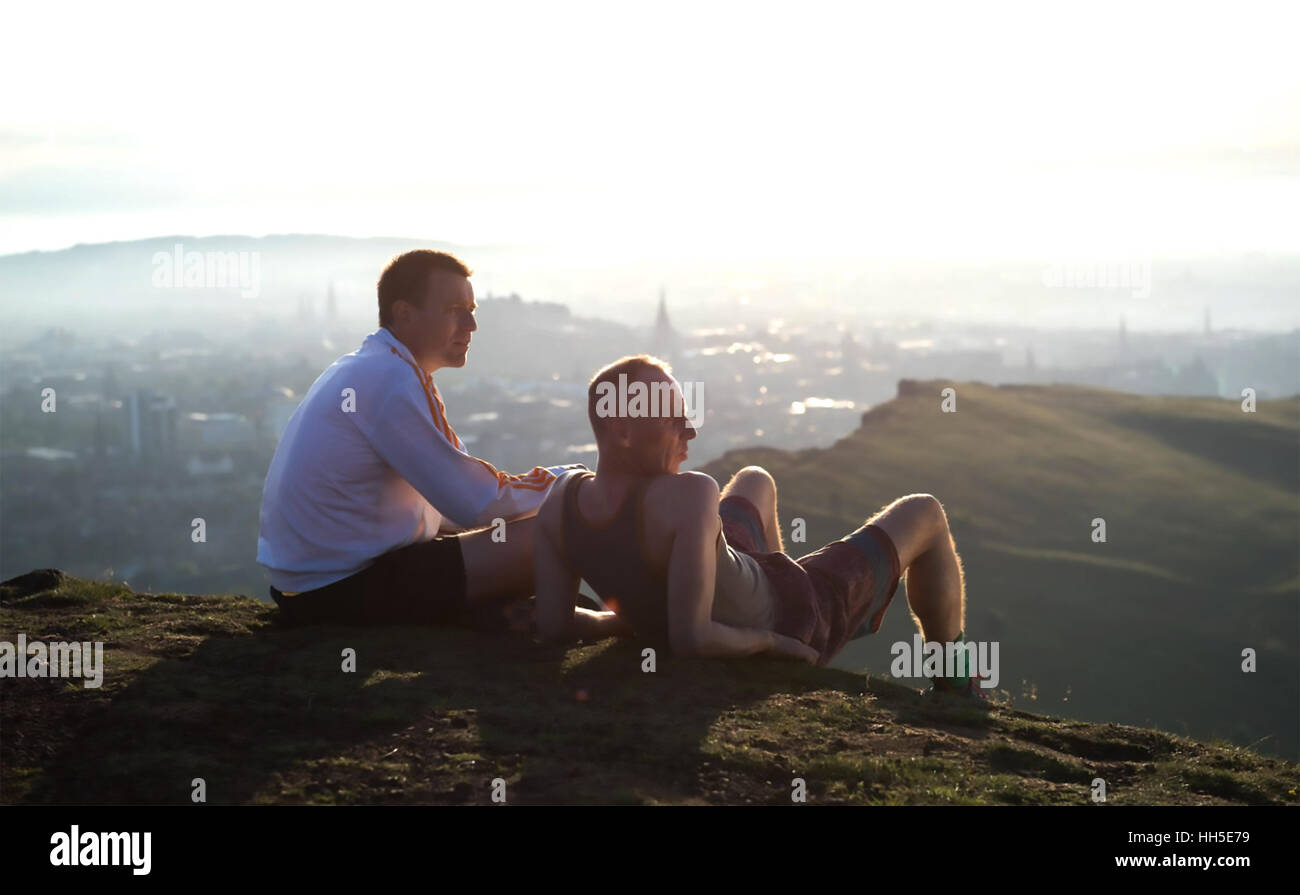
<point>930,509</point>
<point>754,479</point>
<point>915,523</point>
<point>921,511</point>
<point>926,503</point>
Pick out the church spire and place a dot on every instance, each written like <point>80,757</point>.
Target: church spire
<point>664,343</point>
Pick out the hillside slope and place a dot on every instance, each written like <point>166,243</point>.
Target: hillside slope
<point>212,688</point>
<point>1202,557</point>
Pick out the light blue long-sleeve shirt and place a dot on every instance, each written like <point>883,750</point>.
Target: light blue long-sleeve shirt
<point>369,463</point>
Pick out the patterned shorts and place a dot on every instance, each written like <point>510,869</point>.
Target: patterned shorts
<point>825,598</point>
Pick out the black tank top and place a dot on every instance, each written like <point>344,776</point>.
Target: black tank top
<point>609,556</point>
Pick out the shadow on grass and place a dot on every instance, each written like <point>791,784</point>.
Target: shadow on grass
<point>429,715</point>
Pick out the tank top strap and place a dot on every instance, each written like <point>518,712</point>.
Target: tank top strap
<point>571,491</point>
<point>568,506</point>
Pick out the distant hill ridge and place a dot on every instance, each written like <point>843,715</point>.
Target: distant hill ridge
<point>230,242</point>
<point>122,273</point>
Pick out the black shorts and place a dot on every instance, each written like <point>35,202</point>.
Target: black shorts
<point>420,584</point>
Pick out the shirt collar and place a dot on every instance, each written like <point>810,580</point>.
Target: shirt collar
<point>386,337</point>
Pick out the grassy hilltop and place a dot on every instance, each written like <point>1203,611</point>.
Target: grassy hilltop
<point>211,687</point>
<point>1202,557</point>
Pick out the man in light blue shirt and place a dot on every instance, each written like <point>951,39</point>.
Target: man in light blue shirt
<point>373,512</point>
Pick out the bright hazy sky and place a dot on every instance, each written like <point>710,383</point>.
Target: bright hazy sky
<point>691,128</point>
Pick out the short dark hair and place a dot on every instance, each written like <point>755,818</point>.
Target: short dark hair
<point>407,277</point>
<point>634,365</point>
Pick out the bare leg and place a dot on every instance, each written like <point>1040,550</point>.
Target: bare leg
<point>936,588</point>
<point>755,484</point>
<point>498,572</point>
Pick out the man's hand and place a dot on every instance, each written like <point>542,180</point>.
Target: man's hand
<point>789,648</point>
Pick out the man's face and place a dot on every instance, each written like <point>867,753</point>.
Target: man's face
<point>439,333</point>
<point>659,443</point>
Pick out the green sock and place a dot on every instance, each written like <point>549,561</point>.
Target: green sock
<point>960,680</point>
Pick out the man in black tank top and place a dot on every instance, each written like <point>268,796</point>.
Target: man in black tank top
<point>642,534</point>
<point>647,537</point>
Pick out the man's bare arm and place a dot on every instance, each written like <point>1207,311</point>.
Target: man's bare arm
<point>559,618</point>
<point>692,575</point>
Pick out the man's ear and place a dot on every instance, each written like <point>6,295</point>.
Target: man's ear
<point>401,311</point>
<point>621,432</point>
